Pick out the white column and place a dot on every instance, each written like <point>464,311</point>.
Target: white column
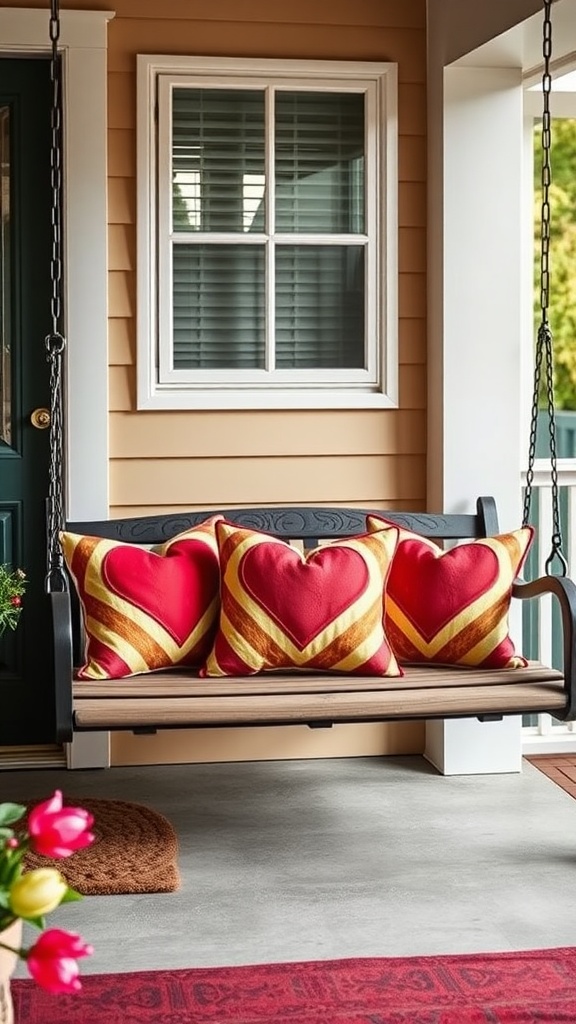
<point>476,267</point>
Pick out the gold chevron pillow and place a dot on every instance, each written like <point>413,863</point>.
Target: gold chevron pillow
<point>145,610</point>
<point>283,610</point>
<point>451,607</point>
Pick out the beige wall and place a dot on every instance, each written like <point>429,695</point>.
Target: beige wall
<point>164,461</point>
<point>169,460</point>
<point>280,743</point>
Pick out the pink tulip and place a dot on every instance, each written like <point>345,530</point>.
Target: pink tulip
<point>52,960</point>
<point>57,831</point>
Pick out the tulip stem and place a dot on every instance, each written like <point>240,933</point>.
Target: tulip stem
<point>22,953</point>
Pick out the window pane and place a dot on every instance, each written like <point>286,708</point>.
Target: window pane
<point>320,306</point>
<point>219,318</point>
<point>218,160</point>
<point>319,162</point>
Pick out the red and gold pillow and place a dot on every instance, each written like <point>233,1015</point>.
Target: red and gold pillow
<point>451,607</point>
<point>283,610</point>
<point>145,610</point>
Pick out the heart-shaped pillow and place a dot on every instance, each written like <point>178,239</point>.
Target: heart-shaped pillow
<point>319,611</point>
<point>145,610</point>
<point>451,607</point>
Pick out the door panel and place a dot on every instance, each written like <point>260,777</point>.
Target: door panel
<point>26,688</point>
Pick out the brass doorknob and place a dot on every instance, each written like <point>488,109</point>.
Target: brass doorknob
<point>40,419</point>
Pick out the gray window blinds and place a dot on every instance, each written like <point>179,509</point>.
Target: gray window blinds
<point>278,256</point>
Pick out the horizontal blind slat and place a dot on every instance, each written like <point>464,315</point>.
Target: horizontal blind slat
<point>218,306</point>
<point>320,307</point>
<point>218,291</point>
<point>319,162</point>
<point>217,143</point>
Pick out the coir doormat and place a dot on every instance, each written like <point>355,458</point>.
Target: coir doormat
<point>533,987</point>
<point>135,851</point>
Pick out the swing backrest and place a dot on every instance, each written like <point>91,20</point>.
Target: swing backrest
<point>307,526</point>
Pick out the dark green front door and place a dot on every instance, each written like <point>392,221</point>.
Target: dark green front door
<point>26,688</point>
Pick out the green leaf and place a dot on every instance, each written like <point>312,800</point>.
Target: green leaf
<point>10,813</point>
<point>6,919</point>
<point>71,896</point>
<point>38,922</point>
<point>13,872</point>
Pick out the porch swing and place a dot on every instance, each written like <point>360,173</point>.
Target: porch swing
<point>94,697</point>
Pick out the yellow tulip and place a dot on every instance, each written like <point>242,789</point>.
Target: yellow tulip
<point>37,892</point>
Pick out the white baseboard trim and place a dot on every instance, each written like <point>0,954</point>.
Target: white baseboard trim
<point>89,750</point>
<point>565,744</point>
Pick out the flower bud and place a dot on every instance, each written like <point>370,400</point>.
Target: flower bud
<point>37,893</point>
<point>52,960</point>
<point>57,831</point>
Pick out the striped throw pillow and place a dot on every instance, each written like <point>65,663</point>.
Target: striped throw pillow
<point>145,610</point>
<point>451,607</point>
<point>281,609</point>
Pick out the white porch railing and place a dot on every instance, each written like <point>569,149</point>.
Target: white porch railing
<point>541,630</point>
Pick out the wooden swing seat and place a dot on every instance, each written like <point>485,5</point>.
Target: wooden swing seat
<point>179,699</point>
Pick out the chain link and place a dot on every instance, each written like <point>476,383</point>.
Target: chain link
<point>55,341</point>
<point>544,341</point>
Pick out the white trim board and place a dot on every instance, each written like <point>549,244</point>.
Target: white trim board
<point>565,744</point>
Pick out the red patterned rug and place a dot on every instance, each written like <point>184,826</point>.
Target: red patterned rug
<point>537,987</point>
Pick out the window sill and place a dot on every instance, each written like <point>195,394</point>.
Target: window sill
<point>255,399</point>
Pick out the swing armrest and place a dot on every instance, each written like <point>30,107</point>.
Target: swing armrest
<point>62,663</point>
<point>564,590</point>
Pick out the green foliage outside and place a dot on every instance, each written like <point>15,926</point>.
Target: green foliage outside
<point>562,298</point>
<point>179,209</point>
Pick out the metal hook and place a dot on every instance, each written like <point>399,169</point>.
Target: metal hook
<point>556,552</point>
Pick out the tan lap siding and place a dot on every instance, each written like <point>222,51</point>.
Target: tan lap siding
<point>163,461</point>
<point>285,743</point>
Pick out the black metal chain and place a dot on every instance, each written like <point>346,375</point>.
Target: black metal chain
<point>544,341</point>
<point>55,341</point>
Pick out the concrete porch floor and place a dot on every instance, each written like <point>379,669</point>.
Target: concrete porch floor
<point>300,860</point>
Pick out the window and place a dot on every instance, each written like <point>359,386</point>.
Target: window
<point>267,234</point>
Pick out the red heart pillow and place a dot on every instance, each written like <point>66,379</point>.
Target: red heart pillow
<point>282,609</point>
<point>451,607</point>
<point>145,610</point>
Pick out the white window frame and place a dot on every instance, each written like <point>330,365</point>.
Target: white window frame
<point>159,386</point>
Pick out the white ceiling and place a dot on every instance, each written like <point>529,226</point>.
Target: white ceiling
<point>521,46</point>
